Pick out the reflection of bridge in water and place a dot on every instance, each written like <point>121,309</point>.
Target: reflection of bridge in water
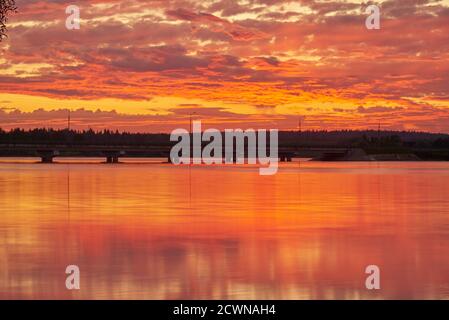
<point>112,154</point>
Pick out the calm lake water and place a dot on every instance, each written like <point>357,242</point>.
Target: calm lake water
<point>156,231</point>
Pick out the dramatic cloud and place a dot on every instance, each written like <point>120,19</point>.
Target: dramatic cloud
<point>254,63</point>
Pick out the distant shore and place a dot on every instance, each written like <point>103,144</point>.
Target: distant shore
<point>343,145</point>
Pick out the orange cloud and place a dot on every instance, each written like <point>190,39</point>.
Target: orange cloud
<point>258,61</point>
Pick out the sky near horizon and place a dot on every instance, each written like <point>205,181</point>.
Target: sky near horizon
<point>147,65</point>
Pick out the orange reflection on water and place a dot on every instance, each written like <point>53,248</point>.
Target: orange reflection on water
<point>154,231</point>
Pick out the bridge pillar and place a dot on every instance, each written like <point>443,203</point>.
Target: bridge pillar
<point>47,155</point>
<point>47,159</point>
<point>285,157</point>
<point>113,156</point>
<point>111,159</point>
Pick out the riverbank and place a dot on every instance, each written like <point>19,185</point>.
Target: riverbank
<point>361,155</point>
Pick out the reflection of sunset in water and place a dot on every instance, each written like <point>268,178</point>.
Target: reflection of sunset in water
<point>163,232</point>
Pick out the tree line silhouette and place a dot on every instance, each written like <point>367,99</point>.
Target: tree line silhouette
<point>369,139</point>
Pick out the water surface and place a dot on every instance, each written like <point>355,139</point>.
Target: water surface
<point>156,231</point>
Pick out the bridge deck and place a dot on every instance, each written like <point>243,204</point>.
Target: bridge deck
<point>113,153</point>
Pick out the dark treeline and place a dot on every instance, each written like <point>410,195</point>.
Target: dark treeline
<point>85,137</point>
<point>343,138</point>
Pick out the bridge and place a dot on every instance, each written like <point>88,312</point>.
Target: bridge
<point>112,154</point>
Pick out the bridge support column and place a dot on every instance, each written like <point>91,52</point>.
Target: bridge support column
<point>113,156</point>
<point>47,159</point>
<point>111,159</point>
<point>285,157</point>
<point>47,155</point>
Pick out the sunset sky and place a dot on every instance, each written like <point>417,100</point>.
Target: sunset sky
<point>146,65</point>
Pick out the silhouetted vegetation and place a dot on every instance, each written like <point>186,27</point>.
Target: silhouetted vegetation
<point>6,7</point>
<point>87,137</point>
<point>427,146</point>
<point>343,138</point>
